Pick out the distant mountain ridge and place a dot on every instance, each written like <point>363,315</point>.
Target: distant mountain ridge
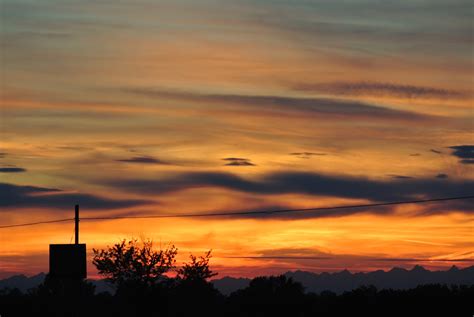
<point>24,283</point>
<point>338,282</point>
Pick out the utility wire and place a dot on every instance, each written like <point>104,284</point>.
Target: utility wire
<point>239,213</point>
<point>258,212</point>
<point>36,223</point>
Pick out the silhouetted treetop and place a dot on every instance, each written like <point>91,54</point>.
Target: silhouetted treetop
<point>133,262</point>
<point>198,269</point>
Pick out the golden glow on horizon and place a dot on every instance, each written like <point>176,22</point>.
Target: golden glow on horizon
<point>358,242</point>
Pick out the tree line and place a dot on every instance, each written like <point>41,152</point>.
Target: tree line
<point>140,275</point>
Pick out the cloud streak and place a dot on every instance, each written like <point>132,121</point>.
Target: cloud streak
<point>315,254</point>
<point>465,153</point>
<point>237,161</point>
<point>319,106</point>
<point>12,170</point>
<point>143,160</point>
<point>16,196</point>
<point>305,183</point>
<point>306,155</point>
<point>378,89</point>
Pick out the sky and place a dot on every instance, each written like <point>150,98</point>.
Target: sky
<point>143,107</point>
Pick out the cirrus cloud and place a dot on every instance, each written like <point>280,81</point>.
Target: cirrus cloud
<point>381,89</point>
<point>278,104</point>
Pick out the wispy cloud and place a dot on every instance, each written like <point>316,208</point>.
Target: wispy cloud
<point>143,160</point>
<point>237,161</point>
<point>320,106</point>
<point>399,176</point>
<point>302,254</point>
<point>303,183</point>
<point>307,155</point>
<point>381,89</point>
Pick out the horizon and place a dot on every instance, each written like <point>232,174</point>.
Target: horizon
<point>217,277</point>
<point>293,271</point>
<point>182,108</point>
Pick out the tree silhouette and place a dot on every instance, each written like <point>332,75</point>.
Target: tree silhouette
<point>268,296</point>
<point>132,263</point>
<point>191,287</point>
<point>198,269</point>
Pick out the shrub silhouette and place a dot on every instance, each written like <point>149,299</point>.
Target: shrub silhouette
<point>192,287</point>
<point>198,269</point>
<point>273,296</point>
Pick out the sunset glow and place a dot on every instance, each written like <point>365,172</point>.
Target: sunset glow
<point>179,107</point>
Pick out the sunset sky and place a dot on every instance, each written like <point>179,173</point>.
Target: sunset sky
<point>197,106</point>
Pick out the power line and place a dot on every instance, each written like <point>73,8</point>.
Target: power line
<point>36,223</point>
<point>240,213</point>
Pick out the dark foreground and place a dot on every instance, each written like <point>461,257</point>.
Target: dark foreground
<point>265,296</point>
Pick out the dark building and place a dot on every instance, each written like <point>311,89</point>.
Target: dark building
<point>67,261</point>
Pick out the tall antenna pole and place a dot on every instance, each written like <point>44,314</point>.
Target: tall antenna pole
<point>76,221</point>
